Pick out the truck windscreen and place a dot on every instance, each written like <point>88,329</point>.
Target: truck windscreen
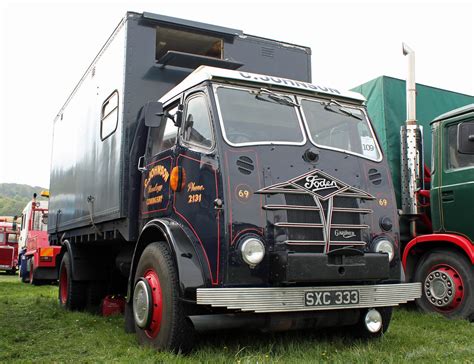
<point>334,126</point>
<point>256,117</point>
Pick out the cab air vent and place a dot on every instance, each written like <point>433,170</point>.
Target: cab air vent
<point>245,165</point>
<point>374,176</point>
<point>268,52</point>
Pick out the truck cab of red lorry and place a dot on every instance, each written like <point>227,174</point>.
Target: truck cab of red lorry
<point>37,258</point>
<point>8,246</point>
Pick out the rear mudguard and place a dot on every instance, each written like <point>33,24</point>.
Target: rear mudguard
<point>86,263</point>
<point>189,262</point>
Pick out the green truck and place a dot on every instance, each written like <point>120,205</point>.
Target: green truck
<point>437,234</point>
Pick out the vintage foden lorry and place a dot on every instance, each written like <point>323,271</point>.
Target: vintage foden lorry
<point>245,196</point>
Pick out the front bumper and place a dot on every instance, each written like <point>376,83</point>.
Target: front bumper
<point>316,267</point>
<point>292,299</point>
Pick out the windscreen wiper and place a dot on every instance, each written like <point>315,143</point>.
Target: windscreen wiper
<point>281,99</point>
<point>327,106</point>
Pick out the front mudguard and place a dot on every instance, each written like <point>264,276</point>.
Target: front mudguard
<point>189,261</point>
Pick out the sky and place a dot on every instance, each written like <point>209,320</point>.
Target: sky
<point>45,47</point>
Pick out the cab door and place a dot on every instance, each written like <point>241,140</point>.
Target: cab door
<point>159,159</point>
<point>196,201</point>
<point>457,184</point>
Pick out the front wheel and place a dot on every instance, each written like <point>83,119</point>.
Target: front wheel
<point>447,280</point>
<point>72,294</point>
<point>158,314</point>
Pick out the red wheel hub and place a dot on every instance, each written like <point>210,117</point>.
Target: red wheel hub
<point>444,288</point>
<point>157,303</point>
<point>63,285</point>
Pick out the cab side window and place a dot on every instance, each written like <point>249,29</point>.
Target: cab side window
<point>455,159</point>
<point>164,137</point>
<point>197,126</point>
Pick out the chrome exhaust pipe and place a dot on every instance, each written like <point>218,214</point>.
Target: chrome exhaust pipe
<point>410,85</point>
<point>412,163</point>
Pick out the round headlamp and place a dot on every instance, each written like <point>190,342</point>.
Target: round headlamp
<point>385,246</point>
<point>253,251</point>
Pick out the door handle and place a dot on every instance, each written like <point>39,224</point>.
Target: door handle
<point>141,164</point>
<point>447,196</point>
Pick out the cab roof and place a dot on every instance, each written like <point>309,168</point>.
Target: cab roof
<point>204,73</point>
<point>456,112</point>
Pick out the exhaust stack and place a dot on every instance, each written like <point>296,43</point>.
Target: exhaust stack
<point>410,85</point>
<point>411,136</point>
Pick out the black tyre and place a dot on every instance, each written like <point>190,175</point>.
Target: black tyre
<point>360,330</point>
<point>447,284</point>
<point>72,294</point>
<point>11,272</point>
<point>25,278</point>
<point>159,316</point>
<point>31,272</point>
<point>34,281</point>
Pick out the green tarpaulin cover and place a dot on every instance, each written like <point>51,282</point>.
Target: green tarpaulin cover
<point>386,104</point>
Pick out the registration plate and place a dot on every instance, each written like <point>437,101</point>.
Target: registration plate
<point>331,298</point>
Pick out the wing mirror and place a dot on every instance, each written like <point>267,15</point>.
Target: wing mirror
<point>466,138</point>
<point>153,111</point>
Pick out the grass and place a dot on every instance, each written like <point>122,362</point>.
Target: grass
<point>34,328</point>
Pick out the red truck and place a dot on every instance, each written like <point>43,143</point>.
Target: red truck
<point>8,246</point>
<point>37,257</point>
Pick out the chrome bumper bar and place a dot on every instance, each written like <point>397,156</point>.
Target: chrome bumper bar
<point>289,299</point>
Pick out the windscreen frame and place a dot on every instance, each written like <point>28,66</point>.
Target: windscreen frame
<point>216,86</point>
<point>345,105</point>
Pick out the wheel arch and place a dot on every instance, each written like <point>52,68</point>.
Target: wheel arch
<point>83,268</point>
<point>188,261</point>
<point>418,246</point>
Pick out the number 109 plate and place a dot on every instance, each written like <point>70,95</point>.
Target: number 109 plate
<point>331,298</point>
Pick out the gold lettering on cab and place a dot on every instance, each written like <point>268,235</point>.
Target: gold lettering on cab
<point>158,170</point>
<point>154,200</point>
<point>193,187</point>
<point>153,186</point>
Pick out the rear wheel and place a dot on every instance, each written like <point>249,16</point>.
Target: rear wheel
<point>32,279</point>
<point>159,315</point>
<point>447,280</point>
<point>72,294</point>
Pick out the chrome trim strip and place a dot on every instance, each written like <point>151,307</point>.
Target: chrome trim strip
<point>320,242</point>
<point>304,242</point>
<point>276,191</point>
<point>348,242</point>
<point>311,225</point>
<point>352,209</point>
<point>291,299</point>
<point>355,195</point>
<point>290,207</point>
<point>348,226</point>
<point>298,225</point>
<point>313,208</point>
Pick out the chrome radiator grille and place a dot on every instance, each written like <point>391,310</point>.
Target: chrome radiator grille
<point>329,219</point>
